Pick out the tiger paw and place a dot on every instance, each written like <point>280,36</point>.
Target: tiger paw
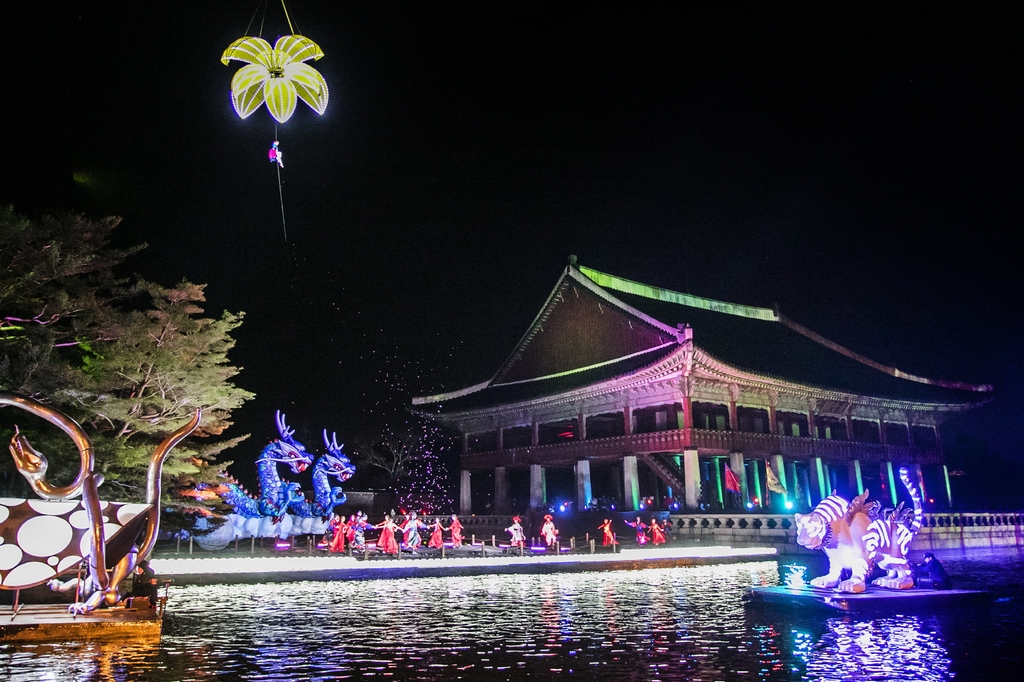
<point>854,586</point>
<point>824,582</point>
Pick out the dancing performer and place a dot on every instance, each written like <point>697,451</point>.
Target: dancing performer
<point>357,527</point>
<point>641,528</point>
<point>339,529</point>
<point>608,536</point>
<point>386,543</point>
<point>436,540</point>
<point>549,531</point>
<point>657,533</point>
<point>411,529</point>
<point>456,529</point>
<point>516,530</point>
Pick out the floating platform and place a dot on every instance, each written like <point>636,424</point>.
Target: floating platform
<point>874,599</point>
<point>53,622</point>
<point>478,560</point>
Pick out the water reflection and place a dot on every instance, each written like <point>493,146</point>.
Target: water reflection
<point>662,624</point>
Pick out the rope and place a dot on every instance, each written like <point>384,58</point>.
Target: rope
<point>280,193</point>
<point>255,12</point>
<point>288,17</point>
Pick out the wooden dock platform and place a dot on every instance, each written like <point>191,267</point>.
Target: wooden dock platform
<point>53,622</point>
<point>874,599</point>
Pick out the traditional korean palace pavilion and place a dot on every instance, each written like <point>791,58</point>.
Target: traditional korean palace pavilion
<point>644,396</point>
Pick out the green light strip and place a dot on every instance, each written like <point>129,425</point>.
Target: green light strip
<point>658,294</point>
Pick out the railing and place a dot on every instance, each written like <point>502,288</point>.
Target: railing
<point>708,442</point>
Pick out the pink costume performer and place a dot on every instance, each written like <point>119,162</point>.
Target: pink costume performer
<point>436,540</point>
<point>549,531</point>
<point>275,155</point>
<point>657,533</point>
<point>640,526</point>
<point>386,543</point>
<point>456,529</point>
<point>608,536</point>
<point>340,529</point>
<point>411,528</point>
<point>516,530</point>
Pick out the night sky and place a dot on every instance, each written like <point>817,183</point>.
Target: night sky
<point>858,165</point>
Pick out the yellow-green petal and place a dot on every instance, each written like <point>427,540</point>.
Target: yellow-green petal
<point>298,48</point>
<point>247,49</point>
<point>281,98</point>
<point>309,85</point>
<point>247,89</point>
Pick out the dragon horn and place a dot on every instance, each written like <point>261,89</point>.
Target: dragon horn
<point>282,427</point>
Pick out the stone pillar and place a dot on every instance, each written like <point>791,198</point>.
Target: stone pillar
<point>583,489</point>
<point>917,475</point>
<point>627,420</point>
<point>716,464</point>
<point>827,472</point>
<point>755,474</point>
<point>501,491</point>
<point>691,475</point>
<point>631,483</point>
<point>890,479</point>
<point>534,432</point>
<point>778,465</point>
<point>537,497</point>
<point>500,438</point>
<point>736,463</point>
<point>856,480</point>
<point>791,477</point>
<point>949,490</point>
<point>465,494</point>
<point>817,472</point>
<point>581,420</point>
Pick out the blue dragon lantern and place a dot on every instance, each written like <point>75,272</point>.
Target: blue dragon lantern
<point>275,494</point>
<point>281,509</point>
<point>326,498</point>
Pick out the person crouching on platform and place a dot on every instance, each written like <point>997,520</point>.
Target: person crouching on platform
<point>456,529</point>
<point>144,583</point>
<point>608,537</point>
<point>549,531</point>
<point>931,575</point>
<point>516,531</point>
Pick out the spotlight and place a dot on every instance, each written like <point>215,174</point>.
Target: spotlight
<point>789,505</point>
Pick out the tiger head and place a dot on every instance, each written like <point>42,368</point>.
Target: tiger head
<point>810,530</point>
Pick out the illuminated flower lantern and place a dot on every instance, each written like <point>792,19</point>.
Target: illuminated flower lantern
<point>276,75</point>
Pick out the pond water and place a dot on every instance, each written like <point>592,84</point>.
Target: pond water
<point>657,624</point>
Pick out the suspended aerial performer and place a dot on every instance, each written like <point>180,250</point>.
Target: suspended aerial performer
<point>456,529</point>
<point>657,532</point>
<point>411,528</point>
<point>357,532</point>
<point>275,154</point>
<point>641,528</point>
<point>608,537</point>
<point>436,540</point>
<point>549,531</point>
<point>516,530</point>
<point>386,543</point>
<point>339,527</point>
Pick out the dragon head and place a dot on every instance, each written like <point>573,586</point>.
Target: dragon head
<point>30,463</point>
<point>288,450</point>
<point>336,463</point>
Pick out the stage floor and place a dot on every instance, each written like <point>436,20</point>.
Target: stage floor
<point>53,622</point>
<point>875,598</point>
<point>204,571</point>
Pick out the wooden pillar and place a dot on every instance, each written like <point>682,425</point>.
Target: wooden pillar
<point>616,483</point>
<point>627,420</point>
<point>773,420</point>
<point>631,483</point>
<point>849,427</point>
<point>500,438</point>
<point>465,494</point>
<point>691,475</point>
<point>501,491</point>
<point>583,488</point>
<point>734,420</point>
<point>687,412</point>
<point>881,431</point>
<point>581,421</point>
<point>537,496</point>
<point>812,428</point>
<point>534,432</point>
<point>465,443</point>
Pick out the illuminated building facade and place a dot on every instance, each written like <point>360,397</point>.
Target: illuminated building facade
<point>646,394</point>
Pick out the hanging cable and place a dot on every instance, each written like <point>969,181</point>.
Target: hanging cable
<point>288,17</point>
<point>280,192</point>
<point>255,12</point>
